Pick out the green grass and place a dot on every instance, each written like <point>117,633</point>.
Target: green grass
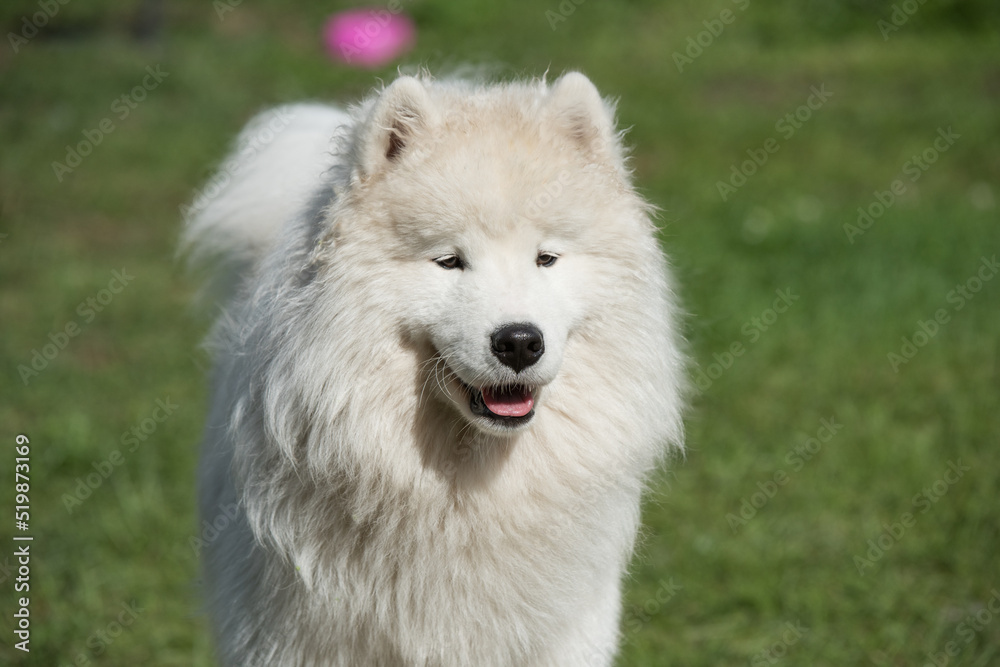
<point>705,590</point>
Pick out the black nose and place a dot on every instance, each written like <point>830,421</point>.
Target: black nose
<point>517,345</point>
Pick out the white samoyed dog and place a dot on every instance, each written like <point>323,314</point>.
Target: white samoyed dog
<point>446,363</point>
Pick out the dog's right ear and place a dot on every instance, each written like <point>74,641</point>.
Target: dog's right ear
<point>402,113</point>
<point>577,109</point>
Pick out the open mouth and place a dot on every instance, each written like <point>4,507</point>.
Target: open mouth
<point>506,405</point>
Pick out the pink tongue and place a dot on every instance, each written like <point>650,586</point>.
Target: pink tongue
<point>515,402</point>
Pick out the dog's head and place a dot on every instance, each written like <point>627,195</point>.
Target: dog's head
<point>510,231</point>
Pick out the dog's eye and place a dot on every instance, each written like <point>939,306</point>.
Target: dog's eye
<point>546,259</point>
<point>450,262</point>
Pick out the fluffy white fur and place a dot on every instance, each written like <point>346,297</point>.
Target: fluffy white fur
<point>381,522</point>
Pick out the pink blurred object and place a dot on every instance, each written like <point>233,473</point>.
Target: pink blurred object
<point>368,37</point>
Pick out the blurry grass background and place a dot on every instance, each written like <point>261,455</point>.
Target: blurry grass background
<point>818,574</point>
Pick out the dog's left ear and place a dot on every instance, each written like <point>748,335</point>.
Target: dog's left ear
<point>402,113</point>
<point>577,110</point>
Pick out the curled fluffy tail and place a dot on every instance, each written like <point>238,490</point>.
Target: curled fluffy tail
<point>280,160</point>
